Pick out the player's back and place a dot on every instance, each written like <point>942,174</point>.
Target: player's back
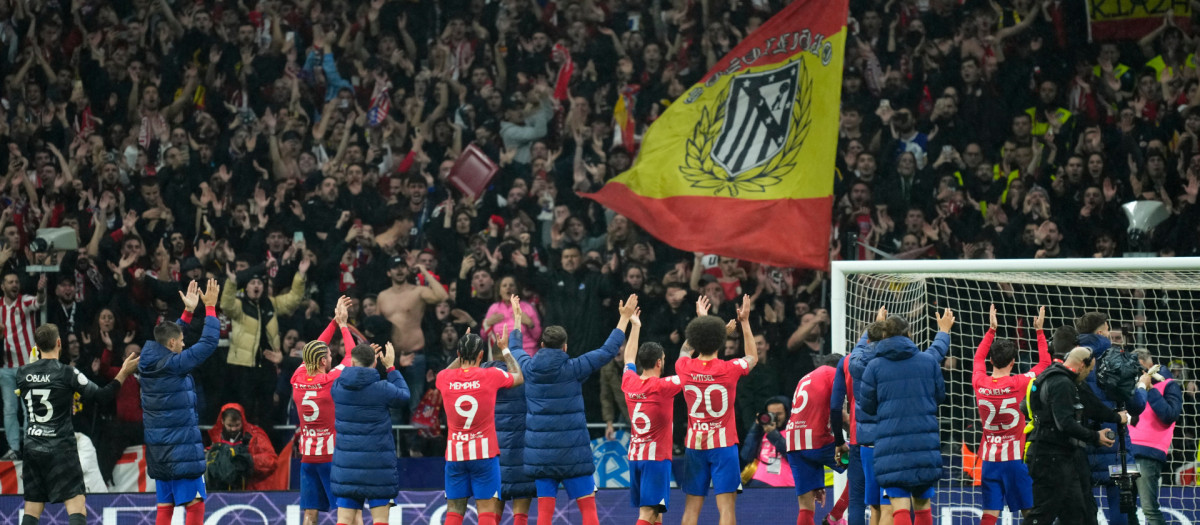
<point>651,402</point>
<point>469,397</point>
<point>808,423</point>
<point>710,391</point>
<point>999,402</point>
<point>48,388</point>
<point>314,405</point>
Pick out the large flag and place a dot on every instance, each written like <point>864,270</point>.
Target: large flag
<point>1133,19</point>
<point>742,164</point>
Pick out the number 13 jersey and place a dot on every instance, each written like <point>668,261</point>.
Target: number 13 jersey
<point>710,389</point>
<point>469,397</point>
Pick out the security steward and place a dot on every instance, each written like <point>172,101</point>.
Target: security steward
<point>1057,458</point>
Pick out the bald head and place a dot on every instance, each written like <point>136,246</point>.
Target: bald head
<point>1080,360</point>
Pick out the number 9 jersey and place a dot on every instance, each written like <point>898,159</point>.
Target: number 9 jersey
<point>710,389</point>
<point>469,397</point>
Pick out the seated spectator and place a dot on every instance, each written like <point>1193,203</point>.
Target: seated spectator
<point>240,455</point>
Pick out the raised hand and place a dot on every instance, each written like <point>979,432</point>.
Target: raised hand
<point>1040,320</point>
<point>191,298</point>
<point>702,305</point>
<point>992,322</point>
<point>636,320</point>
<point>389,354</point>
<point>341,312</point>
<point>945,321</point>
<point>882,314</point>
<point>629,306</point>
<point>211,292</point>
<point>515,301</point>
<point>743,312</point>
<point>129,366</point>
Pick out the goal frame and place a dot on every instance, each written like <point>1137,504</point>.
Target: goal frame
<point>839,270</point>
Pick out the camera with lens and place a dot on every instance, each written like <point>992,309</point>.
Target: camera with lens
<point>765,418</point>
<point>1126,481</point>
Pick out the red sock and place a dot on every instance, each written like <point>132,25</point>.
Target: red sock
<point>454,518</point>
<point>839,508</point>
<point>165,513</point>
<point>925,517</point>
<point>520,519</point>
<point>805,517</point>
<point>545,511</point>
<point>902,517</point>
<point>988,519</point>
<point>195,514</point>
<point>489,518</point>
<point>587,508</point>
<point>644,522</point>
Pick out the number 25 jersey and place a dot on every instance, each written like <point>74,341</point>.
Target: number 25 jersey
<point>710,389</point>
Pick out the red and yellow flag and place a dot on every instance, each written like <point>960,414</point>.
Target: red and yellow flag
<point>742,163</point>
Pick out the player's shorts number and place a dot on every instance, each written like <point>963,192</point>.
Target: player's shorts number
<point>641,421</point>
<point>707,399</point>
<point>42,396</point>
<point>1004,410</point>
<point>309,404</point>
<point>460,406</point>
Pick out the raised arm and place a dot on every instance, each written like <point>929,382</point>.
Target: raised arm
<point>397,388</point>
<point>1044,357</point>
<point>89,391</point>
<point>193,356</point>
<point>516,343</point>
<point>631,345</point>
<point>514,369</point>
<point>743,314</point>
<point>433,292</point>
<point>979,367</point>
<point>941,342</point>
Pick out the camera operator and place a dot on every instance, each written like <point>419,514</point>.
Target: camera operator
<point>1151,436</point>
<point>765,443</point>
<point>1057,457</point>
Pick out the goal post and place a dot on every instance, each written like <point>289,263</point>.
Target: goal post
<point>1154,303</point>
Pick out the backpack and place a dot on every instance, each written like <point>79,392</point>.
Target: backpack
<point>1117,373</point>
<point>229,466</point>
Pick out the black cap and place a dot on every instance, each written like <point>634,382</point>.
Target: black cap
<point>398,260</point>
<point>189,264</point>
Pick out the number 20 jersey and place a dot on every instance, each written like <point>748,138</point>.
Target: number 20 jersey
<point>710,389</point>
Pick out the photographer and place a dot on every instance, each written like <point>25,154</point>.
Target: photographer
<point>1062,485</point>
<point>764,450</point>
<point>1151,436</point>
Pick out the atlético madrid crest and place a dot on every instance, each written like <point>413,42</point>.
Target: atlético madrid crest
<point>752,134</point>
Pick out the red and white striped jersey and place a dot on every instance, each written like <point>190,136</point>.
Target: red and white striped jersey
<point>469,397</point>
<point>999,402</point>
<point>808,424</point>
<point>314,405</point>
<point>650,403</point>
<point>18,318</point>
<point>710,390</point>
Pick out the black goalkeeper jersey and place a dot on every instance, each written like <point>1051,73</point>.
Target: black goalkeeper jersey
<point>47,388</point>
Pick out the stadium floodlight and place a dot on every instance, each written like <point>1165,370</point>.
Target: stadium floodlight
<point>1153,301</point>
<point>1143,217</point>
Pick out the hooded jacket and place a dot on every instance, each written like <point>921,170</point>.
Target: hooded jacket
<point>174,448</point>
<point>364,458</point>
<point>1100,457</point>
<point>259,444</point>
<point>247,319</point>
<point>557,443</point>
<point>904,387</point>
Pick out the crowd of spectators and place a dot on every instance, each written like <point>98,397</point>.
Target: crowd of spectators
<point>299,150</point>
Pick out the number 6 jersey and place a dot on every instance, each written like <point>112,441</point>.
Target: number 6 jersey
<point>47,388</point>
<point>999,401</point>
<point>469,397</point>
<point>710,388</point>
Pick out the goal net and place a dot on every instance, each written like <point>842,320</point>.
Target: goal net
<point>1151,303</point>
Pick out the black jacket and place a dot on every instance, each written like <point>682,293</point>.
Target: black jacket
<point>1061,407</point>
